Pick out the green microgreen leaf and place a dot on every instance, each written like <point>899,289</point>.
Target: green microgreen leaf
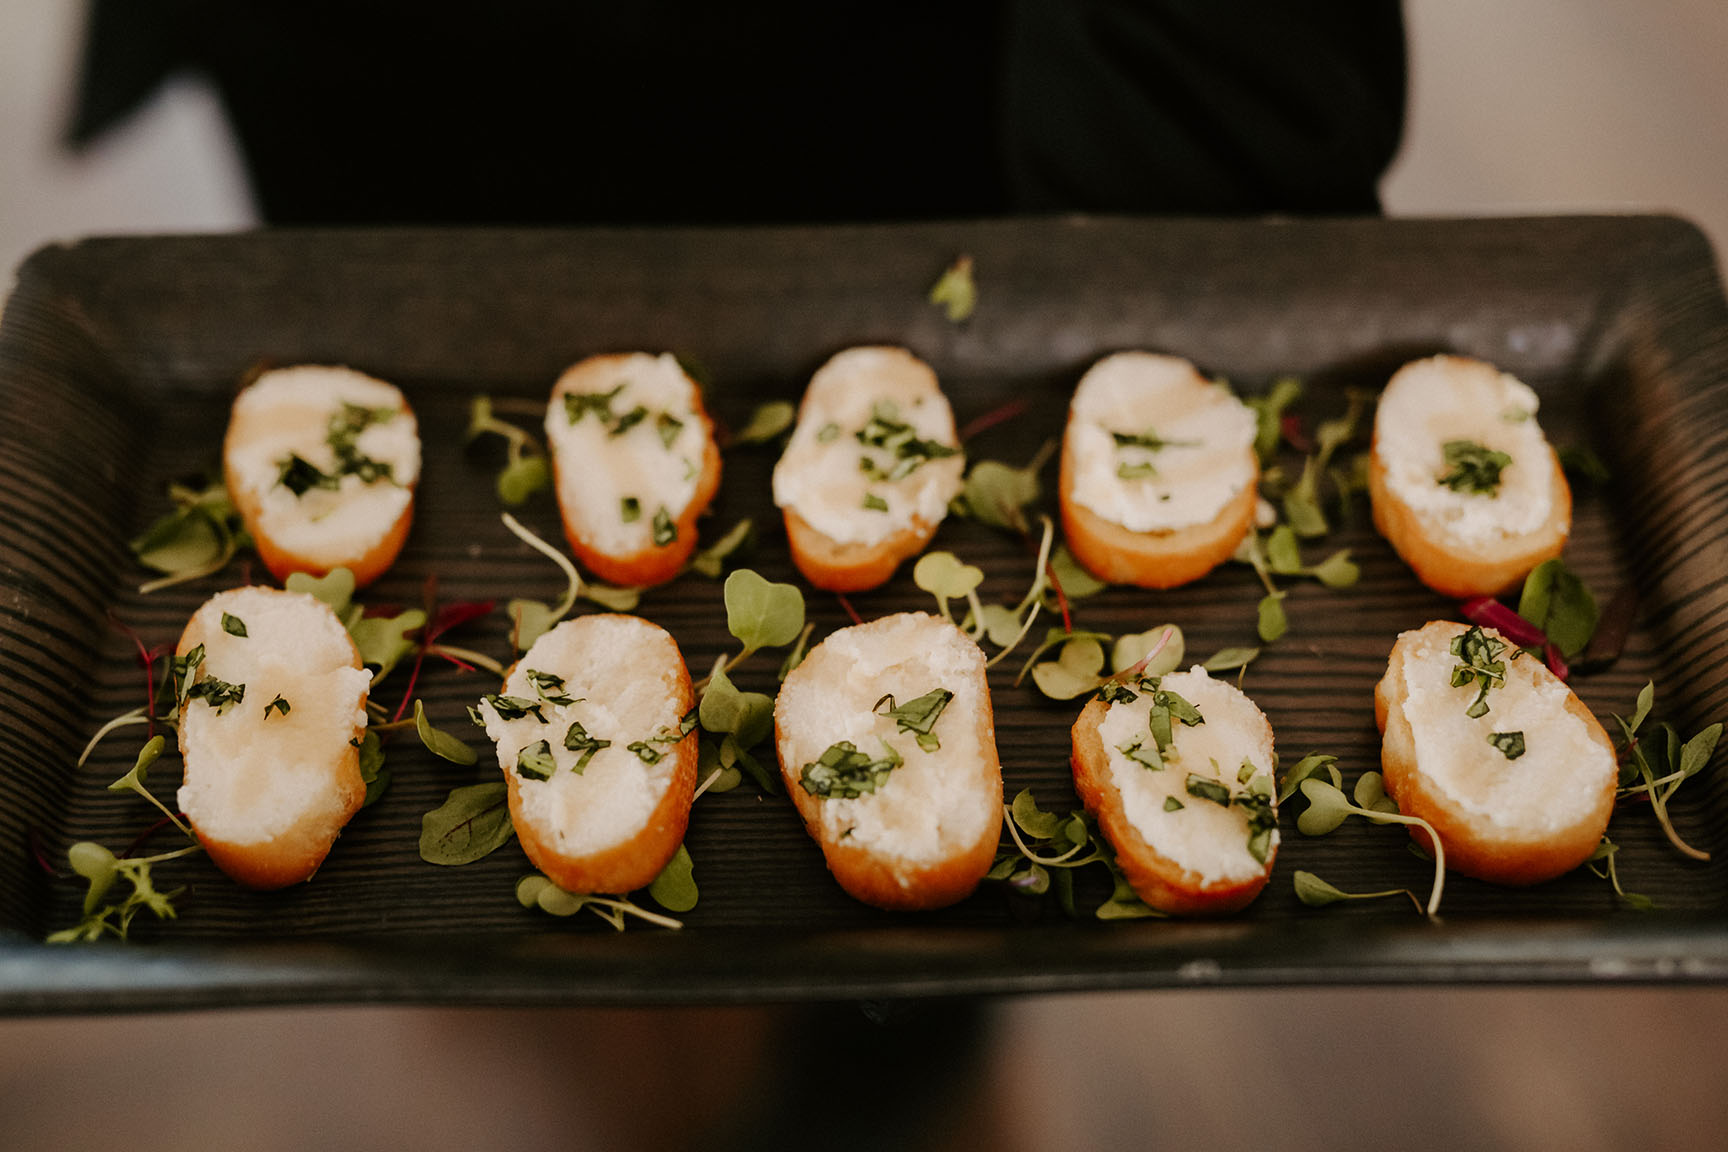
<point>1582,464</point>
<point>1226,659</point>
<point>383,640</point>
<point>1327,809</point>
<point>1033,820</point>
<point>1283,553</point>
<point>1075,671</point>
<point>1316,893</point>
<point>1129,650</point>
<point>767,421</point>
<point>1271,622</point>
<point>531,618</point>
<point>373,771</point>
<point>955,292</point>
<point>472,823</point>
<point>674,889</point>
<point>946,577</point>
<point>439,742</point>
<point>1558,603</point>
<point>1269,414</point>
<point>1077,583</point>
<point>535,891</point>
<point>1337,570</point>
<point>711,561</point>
<point>335,589</point>
<point>997,494</point>
<point>760,613</point>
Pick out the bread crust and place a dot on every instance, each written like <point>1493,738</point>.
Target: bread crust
<point>654,564</point>
<point>1474,848</point>
<point>1159,881</point>
<point>281,560</point>
<point>845,566</point>
<point>1457,568</point>
<point>635,861</point>
<point>297,853</point>
<point>1119,555</point>
<point>889,882</point>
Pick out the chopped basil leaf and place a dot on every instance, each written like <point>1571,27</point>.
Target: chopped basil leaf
<point>1149,440</point>
<point>579,404</point>
<point>1144,754</point>
<point>628,421</point>
<point>646,752</point>
<point>906,451</point>
<point>535,762</point>
<point>549,687</point>
<point>918,716</point>
<point>828,433</point>
<point>665,531</point>
<point>668,426</point>
<point>514,707</point>
<point>1510,744</point>
<point>300,477</point>
<point>1171,804</point>
<point>1141,471</point>
<point>233,625</point>
<point>1205,788</point>
<point>343,438</point>
<point>630,509</point>
<point>577,739</point>
<point>874,503</point>
<point>279,704</point>
<point>842,772</point>
<point>219,694</point>
<point>1480,664</point>
<point>1472,467</point>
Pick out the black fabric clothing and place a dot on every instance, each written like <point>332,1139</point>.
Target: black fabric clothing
<point>560,111</point>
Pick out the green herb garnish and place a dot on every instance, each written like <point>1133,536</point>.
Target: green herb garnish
<point>300,477</point>
<point>668,426</point>
<point>279,705</point>
<point>1205,788</point>
<point>1171,804</point>
<point>627,421</point>
<point>1510,744</point>
<point>843,773</point>
<point>885,430</point>
<point>665,531</point>
<point>1479,664</point>
<point>577,739</point>
<point>874,503</point>
<point>514,707</point>
<point>233,625</point>
<point>828,433</point>
<point>1472,467</point>
<point>549,687</point>
<point>535,762</point>
<point>630,509</point>
<point>579,404</point>
<point>918,716</point>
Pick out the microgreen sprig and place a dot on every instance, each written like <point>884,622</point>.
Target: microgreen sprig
<point>1048,847</point>
<point>536,891</point>
<point>526,468</point>
<point>1602,863</point>
<point>1328,808</point>
<point>1655,768</point>
<point>197,538</point>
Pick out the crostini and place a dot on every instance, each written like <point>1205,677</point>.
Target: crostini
<point>1462,481</point>
<point>634,464</point>
<point>887,746</point>
<point>869,470</point>
<point>1178,770</point>
<point>321,463</point>
<point>1159,479</point>
<point>1496,752</point>
<point>595,732</point>
<point>272,702</point>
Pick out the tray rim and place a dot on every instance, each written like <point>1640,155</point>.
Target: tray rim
<point>1659,949</point>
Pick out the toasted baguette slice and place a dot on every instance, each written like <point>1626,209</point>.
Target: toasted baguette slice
<point>634,463</point>
<point>270,733</point>
<point>1507,820</point>
<point>321,463</point>
<point>1197,836</point>
<point>869,471</point>
<point>1159,478</point>
<point>919,830</point>
<point>605,804</point>
<point>1464,531</point>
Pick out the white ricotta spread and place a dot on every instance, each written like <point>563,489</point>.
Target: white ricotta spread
<point>1206,838</point>
<point>1154,446</point>
<point>631,457</point>
<point>253,771</point>
<point>289,412</point>
<point>849,490</point>
<point>1554,784</point>
<point>1451,398</point>
<point>621,674</point>
<point>931,804</point>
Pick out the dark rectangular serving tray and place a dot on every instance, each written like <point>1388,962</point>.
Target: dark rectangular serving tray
<point>118,356</point>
